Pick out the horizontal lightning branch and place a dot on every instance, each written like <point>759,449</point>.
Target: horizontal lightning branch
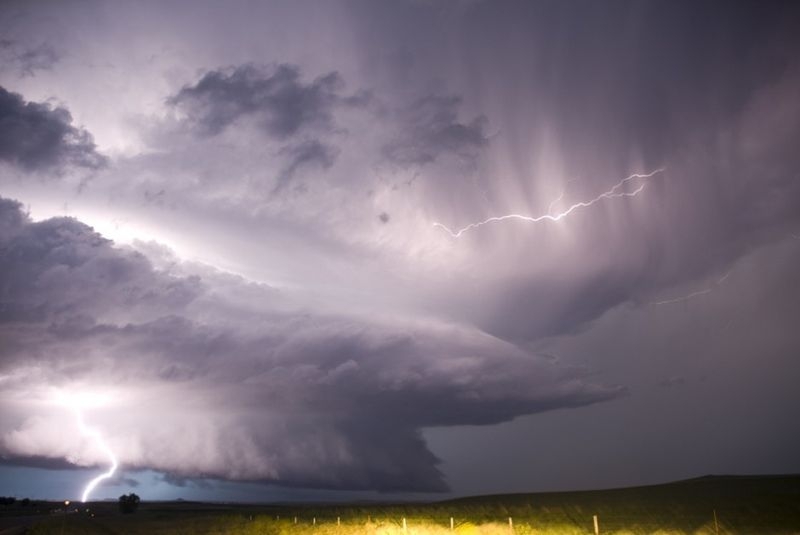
<point>694,294</point>
<point>616,191</point>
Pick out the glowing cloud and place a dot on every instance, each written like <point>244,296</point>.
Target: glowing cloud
<point>615,191</point>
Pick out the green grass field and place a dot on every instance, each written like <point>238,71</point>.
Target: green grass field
<point>743,505</point>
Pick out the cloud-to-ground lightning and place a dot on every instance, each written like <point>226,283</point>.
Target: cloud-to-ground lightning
<point>697,293</point>
<point>97,437</point>
<point>616,191</point>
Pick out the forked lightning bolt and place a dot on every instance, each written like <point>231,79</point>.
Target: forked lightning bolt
<point>616,191</point>
<point>98,438</point>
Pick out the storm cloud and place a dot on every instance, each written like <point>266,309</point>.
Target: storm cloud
<point>431,127</point>
<point>36,136</point>
<point>268,279</point>
<point>282,395</point>
<point>278,97</point>
<point>307,153</point>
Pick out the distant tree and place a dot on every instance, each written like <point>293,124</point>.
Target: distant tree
<point>128,503</point>
<point>25,502</point>
<point>7,500</point>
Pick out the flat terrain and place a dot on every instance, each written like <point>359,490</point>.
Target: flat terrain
<point>742,505</point>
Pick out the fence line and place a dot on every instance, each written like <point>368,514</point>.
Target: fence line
<point>616,521</point>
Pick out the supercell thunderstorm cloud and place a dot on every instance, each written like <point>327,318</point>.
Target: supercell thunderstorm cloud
<point>251,250</point>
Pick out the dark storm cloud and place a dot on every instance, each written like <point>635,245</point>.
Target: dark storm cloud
<point>390,325</point>
<point>717,108</point>
<point>37,136</point>
<point>178,481</point>
<point>279,99</point>
<point>60,269</point>
<point>329,403</point>
<point>129,482</point>
<point>47,463</point>
<point>431,128</point>
<point>307,153</point>
<point>294,398</point>
<point>621,75</point>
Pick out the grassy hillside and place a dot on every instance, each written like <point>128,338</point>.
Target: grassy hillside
<point>743,505</point>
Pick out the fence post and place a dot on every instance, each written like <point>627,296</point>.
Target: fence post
<point>338,521</point>
<point>405,526</point>
<point>314,521</point>
<point>596,526</point>
<point>295,520</point>
<point>510,524</point>
<point>716,525</point>
<point>451,523</point>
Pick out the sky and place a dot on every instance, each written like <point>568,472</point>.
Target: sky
<point>346,250</point>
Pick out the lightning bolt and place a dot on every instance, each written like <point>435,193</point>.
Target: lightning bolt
<point>560,196</point>
<point>98,438</point>
<point>694,294</point>
<point>554,201</point>
<point>616,191</point>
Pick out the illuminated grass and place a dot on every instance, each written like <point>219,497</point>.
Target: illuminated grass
<point>757,505</point>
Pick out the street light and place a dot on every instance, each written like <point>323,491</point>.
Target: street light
<point>63,518</point>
